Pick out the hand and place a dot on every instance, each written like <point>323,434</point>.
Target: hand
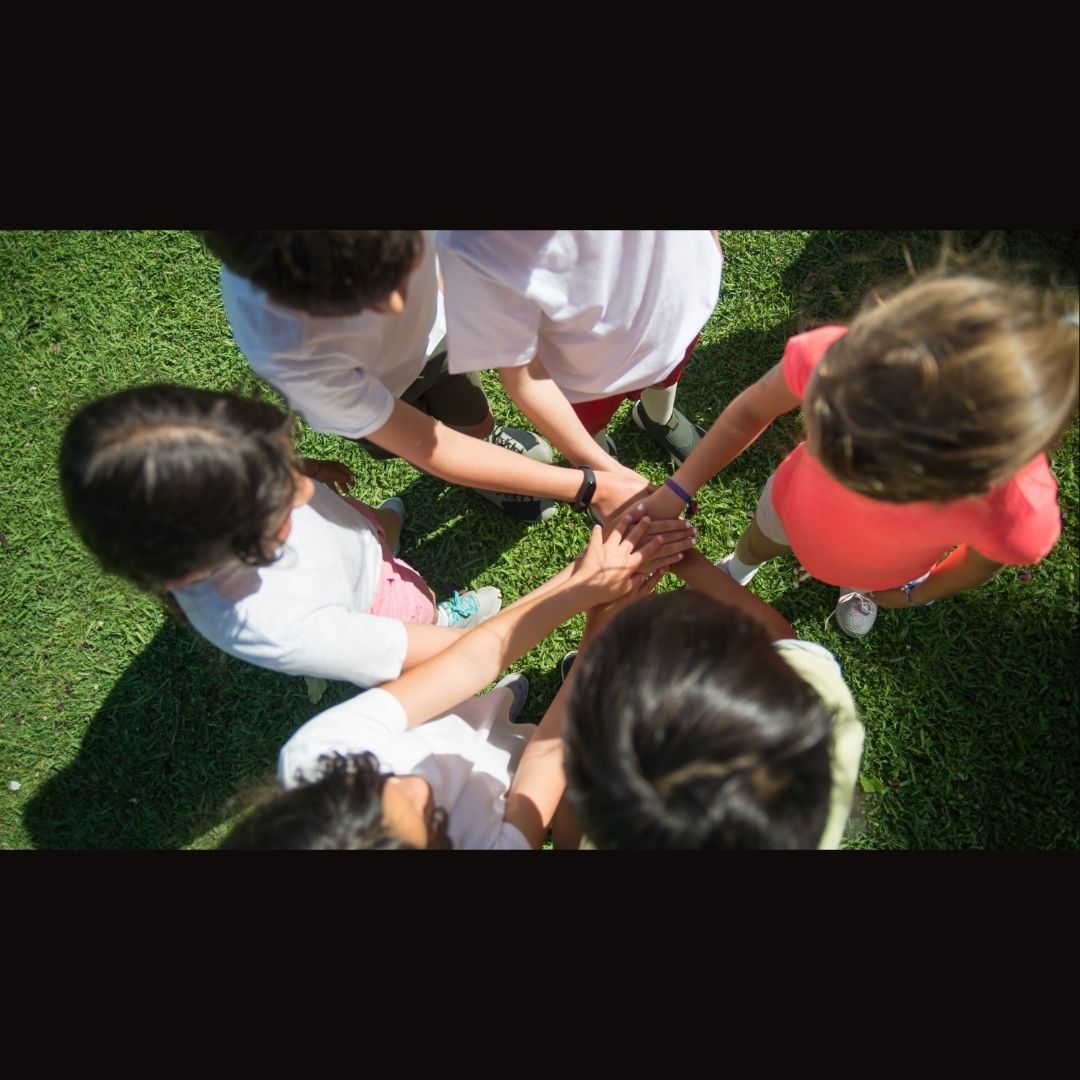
<point>663,503</point>
<point>615,491</point>
<point>333,474</point>
<point>607,566</point>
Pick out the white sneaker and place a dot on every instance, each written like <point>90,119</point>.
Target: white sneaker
<point>469,609</point>
<point>855,613</point>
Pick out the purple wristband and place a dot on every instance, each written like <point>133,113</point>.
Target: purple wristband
<point>691,502</point>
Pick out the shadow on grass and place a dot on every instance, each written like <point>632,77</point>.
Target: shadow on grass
<point>183,730</point>
<point>971,725</point>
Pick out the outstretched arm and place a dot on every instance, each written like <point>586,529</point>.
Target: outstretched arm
<point>540,783</point>
<point>963,569</point>
<point>733,431</point>
<point>461,459</point>
<point>703,577</point>
<point>603,573</point>
<point>537,395</point>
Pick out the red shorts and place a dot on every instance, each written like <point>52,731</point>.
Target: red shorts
<point>594,415</point>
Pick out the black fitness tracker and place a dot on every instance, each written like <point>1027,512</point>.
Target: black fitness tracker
<point>588,490</point>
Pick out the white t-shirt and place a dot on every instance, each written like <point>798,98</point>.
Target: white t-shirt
<point>606,311</point>
<point>306,613</point>
<point>817,666</point>
<point>342,372</point>
<point>468,755</point>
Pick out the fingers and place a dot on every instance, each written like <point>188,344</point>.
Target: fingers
<point>632,532</point>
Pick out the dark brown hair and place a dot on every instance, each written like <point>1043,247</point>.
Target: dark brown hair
<point>164,481</point>
<point>686,729</point>
<point>944,390</point>
<point>342,810</point>
<point>329,272</point>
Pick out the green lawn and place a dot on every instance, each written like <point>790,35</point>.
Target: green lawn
<point>124,730</point>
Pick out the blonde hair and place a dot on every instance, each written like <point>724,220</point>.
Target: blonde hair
<point>946,389</point>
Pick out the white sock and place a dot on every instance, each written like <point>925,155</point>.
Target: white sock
<point>601,438</point>
<point>659,402</point>
<point>443,617</point>
<point>740,571</point>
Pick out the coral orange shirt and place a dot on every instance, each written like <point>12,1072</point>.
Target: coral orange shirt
<point>853,541</point>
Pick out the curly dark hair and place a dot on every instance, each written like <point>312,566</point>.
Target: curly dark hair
<point>329,272</point>
<point>685,729</point>
<point>164,481</point>
<point>946,389</point>
<point>341,811</point>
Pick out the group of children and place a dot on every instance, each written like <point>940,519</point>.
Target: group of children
<point>690,719</point>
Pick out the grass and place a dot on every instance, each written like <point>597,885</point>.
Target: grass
<point>124,730</point>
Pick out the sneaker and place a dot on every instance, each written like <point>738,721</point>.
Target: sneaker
<point>470,609</point>
<point>566,664</point>
<point>398,507</point>
<point>524,508</point>
<point>520,441</point>
<point>527,509</point>
<point>678,436</point>
<point>609,446</point>
<point>855,613</point>
<point>518,685</point>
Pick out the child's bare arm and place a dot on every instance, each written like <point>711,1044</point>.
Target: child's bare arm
<point>461,459</point>
<point>963,569</point>
<point>539,783</point>
<point>734,430</point>
<point>536,394</point>
<point>604,572</point>
<point>703,577</point>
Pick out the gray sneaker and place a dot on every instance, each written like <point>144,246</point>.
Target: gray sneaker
<point>855,613</point>
<point>527,509</point>
<point>518,685</point>
<point>469,609</point>
<point>524,508</point>
<point>566,664</point>
<point>678,436</point>
<point>520,441</point>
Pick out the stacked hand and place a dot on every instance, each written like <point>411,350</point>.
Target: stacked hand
<point>630,560</point>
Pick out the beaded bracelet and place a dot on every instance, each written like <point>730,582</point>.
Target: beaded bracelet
<point>691,502</point>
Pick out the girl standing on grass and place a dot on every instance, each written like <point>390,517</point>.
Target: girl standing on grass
<point>199,498</point>
<point>927,426</point>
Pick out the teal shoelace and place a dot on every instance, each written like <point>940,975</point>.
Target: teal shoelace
<point>460,607</point>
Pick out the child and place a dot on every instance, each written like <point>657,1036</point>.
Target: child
<point>348,326</point>
<point>724,732</point>
<point>579,321</point>
<point>927,428</point>
<point>199,495</point>
<point>402,765</point>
